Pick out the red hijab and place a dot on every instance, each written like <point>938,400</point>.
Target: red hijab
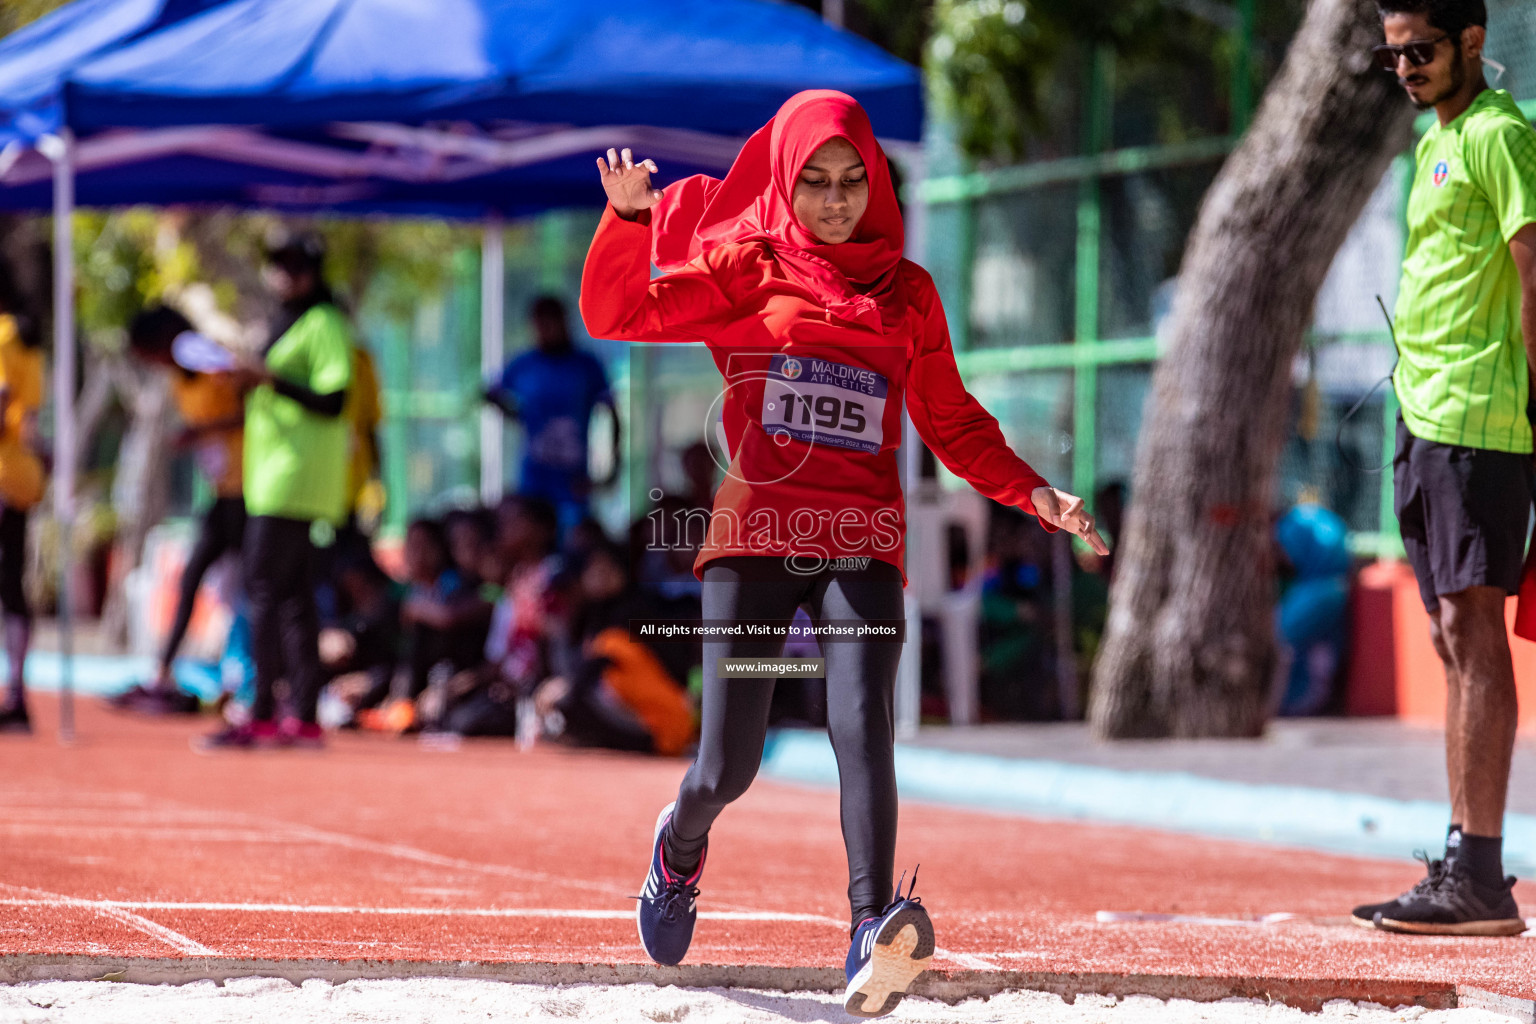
<point>856,279</point>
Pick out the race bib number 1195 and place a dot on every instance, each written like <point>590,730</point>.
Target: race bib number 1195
<point>822,402</point>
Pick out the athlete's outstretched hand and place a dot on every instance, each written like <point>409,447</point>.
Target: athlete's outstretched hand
<point>627,183</point>
<point>1066,511</point>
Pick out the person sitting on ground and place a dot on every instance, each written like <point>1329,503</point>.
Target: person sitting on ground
<point>1312,618</point>
<point>361,649</point>
<point>483,701</point>
<point>212,411</point>
<point>620,693</point>
<point>444,615</point>
<point>472,545</point>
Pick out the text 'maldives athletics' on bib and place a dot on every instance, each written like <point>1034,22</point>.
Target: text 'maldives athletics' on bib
<point>824,402</point>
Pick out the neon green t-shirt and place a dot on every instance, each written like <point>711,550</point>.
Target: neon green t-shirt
<point>1461,374</point>
<point>296,460</point>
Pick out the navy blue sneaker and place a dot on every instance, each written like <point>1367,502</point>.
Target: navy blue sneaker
<point>667,903</point>
<point>887,954</point>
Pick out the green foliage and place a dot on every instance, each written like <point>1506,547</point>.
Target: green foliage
<point>990,60</point>
<point>128,259</point>
<point>899,26</point>
<point>407,258</point>
<point>116,270</point>
<point>1012,74</point>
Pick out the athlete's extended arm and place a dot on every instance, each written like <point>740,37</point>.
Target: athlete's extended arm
<point>619,300</point>
<point>966,438</point>
<point>1523,248</point>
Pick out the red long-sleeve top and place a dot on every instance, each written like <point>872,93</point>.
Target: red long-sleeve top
<point>812,406</point>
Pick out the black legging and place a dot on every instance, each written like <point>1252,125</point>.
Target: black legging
<point>13,563</point>
<point>221,531</point>
<point>861,678</point>
<point>285,627</point>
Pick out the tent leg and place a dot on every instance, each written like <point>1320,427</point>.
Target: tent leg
<point>492,354</point>
<point>909,674</point>
<point>909,679</point>
<point>61,150</point>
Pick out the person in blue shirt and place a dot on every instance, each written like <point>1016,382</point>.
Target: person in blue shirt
<point>1312,618</point>
<point>552,390</point>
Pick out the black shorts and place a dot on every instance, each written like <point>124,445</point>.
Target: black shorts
<point>13,562</point>
<point>1464,513</point>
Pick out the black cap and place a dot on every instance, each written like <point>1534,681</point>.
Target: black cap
<point>296,251</point>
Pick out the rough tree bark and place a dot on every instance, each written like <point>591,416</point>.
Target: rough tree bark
<point>1189,648</point>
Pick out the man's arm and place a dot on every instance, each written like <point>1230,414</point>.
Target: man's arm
<point>1523,248</point>
<point>502,400</point>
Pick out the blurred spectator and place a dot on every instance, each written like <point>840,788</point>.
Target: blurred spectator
<point>444,616</point>
<point>699,468</point>
<point>552,390</point>
<point>361,650</point>
<point>664,543</point>
<point>484,700</point>
<point>212,411</point>
<point>295,476</point>
<point>1018,679</point>
<point>1311,619</point>
<point>618,692</point>
<point>1109,510</point>
<point>363,411</point>
<point>472,547</point>
<point>22,480</point>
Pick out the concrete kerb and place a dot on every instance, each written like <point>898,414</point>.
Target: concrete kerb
<point>1335,821</point>
<point>951,986</point>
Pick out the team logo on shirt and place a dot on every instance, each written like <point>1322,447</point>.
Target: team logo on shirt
<point>791,369</point>
<point>1442,172</point>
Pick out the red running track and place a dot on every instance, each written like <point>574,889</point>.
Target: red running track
<point>128,844</point>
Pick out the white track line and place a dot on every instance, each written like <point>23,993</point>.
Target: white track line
<point>124,907</point>
<point>401,851</point>
<point>299,908</point>
<point>151,832</point>
<point>123,915</point>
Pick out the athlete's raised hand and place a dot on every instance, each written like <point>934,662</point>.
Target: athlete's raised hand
<point>1066,512</point>
<point>627,183</point>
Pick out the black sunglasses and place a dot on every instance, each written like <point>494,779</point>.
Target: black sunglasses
<point>1419,52</point>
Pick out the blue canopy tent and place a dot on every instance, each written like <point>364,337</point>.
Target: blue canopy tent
<point>461,108</point>
<point>34,59</point>
<point>720,66</point>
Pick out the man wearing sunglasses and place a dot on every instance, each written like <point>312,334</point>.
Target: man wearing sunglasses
<point>1466,331</point>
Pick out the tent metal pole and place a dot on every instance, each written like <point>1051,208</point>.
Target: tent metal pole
<point>492,354</point>
<point>909,678</point>
<point>60,149</point>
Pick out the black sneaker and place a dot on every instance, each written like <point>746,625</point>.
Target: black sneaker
<point>1365,914</point>
<point>886,955</point>
<point>1457,905</point>
<point>14,719</point>
<point>668,904</point>
<point>145,700</point>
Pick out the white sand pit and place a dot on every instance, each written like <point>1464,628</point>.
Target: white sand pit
<point>446,1001</point>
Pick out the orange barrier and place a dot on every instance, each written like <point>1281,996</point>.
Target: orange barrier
<point>1393,666</point>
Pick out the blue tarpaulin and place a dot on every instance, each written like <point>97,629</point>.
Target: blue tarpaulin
<point>35,58</point>
<point>412,107</point>
<point>720,66</point>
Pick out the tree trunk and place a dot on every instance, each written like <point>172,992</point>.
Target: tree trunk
<point>1189,649</point>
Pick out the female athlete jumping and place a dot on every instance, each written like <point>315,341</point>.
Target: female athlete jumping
<point>791,271</point>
